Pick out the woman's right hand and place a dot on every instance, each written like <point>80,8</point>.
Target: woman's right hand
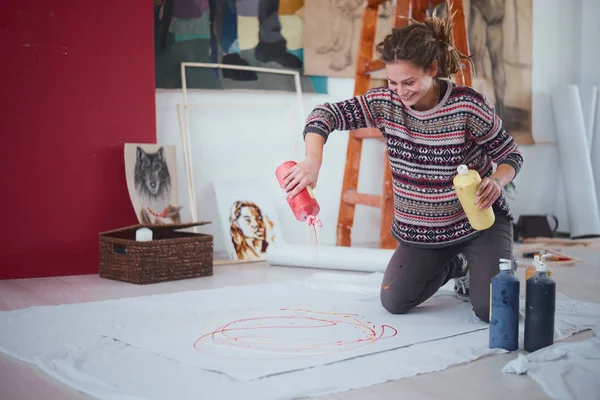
<point>300,175</point>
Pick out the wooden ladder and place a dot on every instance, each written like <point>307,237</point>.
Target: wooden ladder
<point>416,9</point>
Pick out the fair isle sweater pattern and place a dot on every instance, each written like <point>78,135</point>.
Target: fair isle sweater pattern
<point>424,149</point>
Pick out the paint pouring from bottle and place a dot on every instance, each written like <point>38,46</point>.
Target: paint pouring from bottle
<point>504,308</point>
<point>304,205</point>
<point>540,307</point>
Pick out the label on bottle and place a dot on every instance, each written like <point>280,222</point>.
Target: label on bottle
<point>308,189</point>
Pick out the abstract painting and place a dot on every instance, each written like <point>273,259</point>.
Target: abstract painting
<point>248,217</point>
<point>151,173</point>
<point>500,39</point>
<point>332,35</point>
<point>256,33</point>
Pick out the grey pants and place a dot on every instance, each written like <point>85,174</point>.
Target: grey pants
<point>269,24</point>
<point>414,274</point>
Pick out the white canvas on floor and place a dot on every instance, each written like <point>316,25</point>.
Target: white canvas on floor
<point>257,331</point>
<point>248,217</point>
<point>68,344</point>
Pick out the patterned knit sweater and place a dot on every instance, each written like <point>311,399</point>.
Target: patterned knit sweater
<point>424,150</point>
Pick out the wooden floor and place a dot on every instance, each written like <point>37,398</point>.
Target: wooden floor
<point>476,380</point>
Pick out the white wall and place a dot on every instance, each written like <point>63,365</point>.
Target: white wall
<point>590,50</point>
<point>556,60</point>
<point>560,31</point>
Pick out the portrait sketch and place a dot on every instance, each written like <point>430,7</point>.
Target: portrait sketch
<point>332,35</point>
<point>251,231</point>
<point>248,218</point>
<point>500,40</point>
<point>151,174</point>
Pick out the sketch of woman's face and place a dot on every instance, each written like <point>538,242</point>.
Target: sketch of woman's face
<point>251,223</point>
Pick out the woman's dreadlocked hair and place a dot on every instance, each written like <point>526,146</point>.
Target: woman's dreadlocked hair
<point>424,42</point>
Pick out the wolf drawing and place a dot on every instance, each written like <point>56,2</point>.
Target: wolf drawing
<point>153,187</point>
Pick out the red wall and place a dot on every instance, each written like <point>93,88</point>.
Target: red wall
<point>77,83</point>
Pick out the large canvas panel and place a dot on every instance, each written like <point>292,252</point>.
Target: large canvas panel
<point>332,35</point>
<point>500,40</point>
<point>257,33</point>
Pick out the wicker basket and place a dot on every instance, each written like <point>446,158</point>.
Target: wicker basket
<point>170,255</point>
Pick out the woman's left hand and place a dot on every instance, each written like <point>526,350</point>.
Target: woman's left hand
<point>487,193</point>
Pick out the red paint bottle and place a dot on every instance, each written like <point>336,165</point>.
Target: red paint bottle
<point>304,206</point>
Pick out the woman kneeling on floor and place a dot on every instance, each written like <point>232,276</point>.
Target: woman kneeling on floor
<point>431,126</point>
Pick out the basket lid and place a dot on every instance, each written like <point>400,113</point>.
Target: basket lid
<point>172,227</point>
<point>158,227</point>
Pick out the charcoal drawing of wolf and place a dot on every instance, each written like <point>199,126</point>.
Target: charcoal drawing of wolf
<point>153,187</point>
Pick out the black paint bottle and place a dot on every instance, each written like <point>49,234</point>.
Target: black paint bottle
<point>540,306</point>
<point>504,308</point>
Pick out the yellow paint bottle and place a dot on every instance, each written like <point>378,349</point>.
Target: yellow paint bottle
<point>466,184</point>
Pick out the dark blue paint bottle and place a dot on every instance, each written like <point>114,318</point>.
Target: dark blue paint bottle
<point>540,306</point>
<point>504,308</point>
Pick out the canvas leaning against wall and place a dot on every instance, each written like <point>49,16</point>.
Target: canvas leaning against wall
<point>151,173</point>
<point>332,35</point>
<point>500,40</point>
<point>248,217</point>
<point>257,33</point>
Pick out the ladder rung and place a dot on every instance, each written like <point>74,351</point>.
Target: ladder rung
<point>353,197</point>
<point>375,3</point>
<point>368,134</point>
<point>372,66</point>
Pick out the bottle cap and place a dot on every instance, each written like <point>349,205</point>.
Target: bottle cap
<point>540,266</point>
<point>462,169</point>
<point>143,235</point>
<point>538,262</point>
<point>505,264</point>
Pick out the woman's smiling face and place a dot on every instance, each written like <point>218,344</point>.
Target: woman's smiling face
<point>409,81</point>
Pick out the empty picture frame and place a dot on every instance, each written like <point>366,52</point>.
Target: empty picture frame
<point>184,123</point>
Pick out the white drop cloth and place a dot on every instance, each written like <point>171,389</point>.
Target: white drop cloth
<point>70,343</point>
<point>565,371</point>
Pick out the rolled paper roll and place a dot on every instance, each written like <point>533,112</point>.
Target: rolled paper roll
<point>575,163</point>
<point>329,257</point>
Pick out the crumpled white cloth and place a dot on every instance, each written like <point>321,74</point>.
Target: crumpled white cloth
<point>565,371</point>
